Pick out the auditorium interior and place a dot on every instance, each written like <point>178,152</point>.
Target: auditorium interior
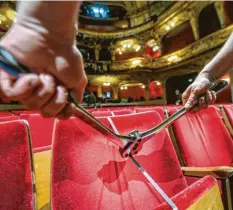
<point>139,57</point>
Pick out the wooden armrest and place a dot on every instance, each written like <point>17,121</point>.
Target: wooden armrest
<point>221,172</point>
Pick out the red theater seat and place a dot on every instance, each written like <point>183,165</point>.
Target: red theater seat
<point>122,112</point>
<point>159,110</point>
<point>203,139</point>
<point>104,120</point>
<point>9,118</point>
<point>5,114</point>
<point>16,184</point>
<point>103,109</point>
<point>89,173</point>
<point>101,113</point>
<point>41,131</point>
<point>229,112</point>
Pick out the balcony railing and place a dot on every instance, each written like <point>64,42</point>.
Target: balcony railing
<point>205,44</point>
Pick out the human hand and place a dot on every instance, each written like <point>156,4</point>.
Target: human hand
<point>192,93</point>
<point>59,67</point>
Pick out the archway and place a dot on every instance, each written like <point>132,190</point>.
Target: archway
<point>178,38</point>
<point>208,21</point>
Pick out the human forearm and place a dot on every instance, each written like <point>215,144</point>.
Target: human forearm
<point>50,18</point>
<point>221,63</point>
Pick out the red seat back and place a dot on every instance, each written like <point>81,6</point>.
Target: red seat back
<point>16,184</point>
<point>101,113</point>
<point>159,110</point>
<point>9,118</point>
<point>122,112</point>
<point>88,171</point>
<point>5,114</point>
<point>203,139</point>
<point>41,130</point>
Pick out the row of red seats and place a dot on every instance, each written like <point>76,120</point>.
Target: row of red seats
<point>89,173</point>
<point>41,128</point>
<point>102,167</point>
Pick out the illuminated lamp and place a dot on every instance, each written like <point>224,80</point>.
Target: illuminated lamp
<point>172,58</point>
<point>122,88</point>
<point>136,62</point>
<point>158,83</point>
<point>167,28</point>
<point>143,86</point>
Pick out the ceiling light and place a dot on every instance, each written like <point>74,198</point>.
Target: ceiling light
<point>172,24</point>
<point>125,88</point>
<point>96,10</point>
<point>129,45</point>
<point>138,48</point>
<point>124,45</point>
<point>136,62</point>
<point>158,83</point>
<point>190,80</point>
<point>155,48</point>
<point>172,58</point>
<point>143,86</point>
<point>101,10</point>
<point>167,28</point>
<point>106,84</point>
<point>120,53</point>
<point>122,88</point>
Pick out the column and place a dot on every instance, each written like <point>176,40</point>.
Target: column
<point>112,51</point>
<point>163,84</point>
<point>219,6</point>
<point>195,28</point>
<point>99,91</point>
<point>115,92</point>
<point>97,51</point>
<point>147,93</point>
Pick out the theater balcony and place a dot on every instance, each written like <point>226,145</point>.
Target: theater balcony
<point>154,41</point>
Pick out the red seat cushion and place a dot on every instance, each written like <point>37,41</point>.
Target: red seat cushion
<point>203,139</point>
<point>101,113</point>
<point>122,112</point>
<point>41,130</point>
<point>16,185</point>
<point>104,120</point>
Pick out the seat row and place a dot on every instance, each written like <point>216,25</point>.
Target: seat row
<point>88,172</point>
<point>202,143</point>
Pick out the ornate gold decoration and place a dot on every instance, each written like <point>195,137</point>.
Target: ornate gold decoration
<point>117,34</point>
<point>207,43</point>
